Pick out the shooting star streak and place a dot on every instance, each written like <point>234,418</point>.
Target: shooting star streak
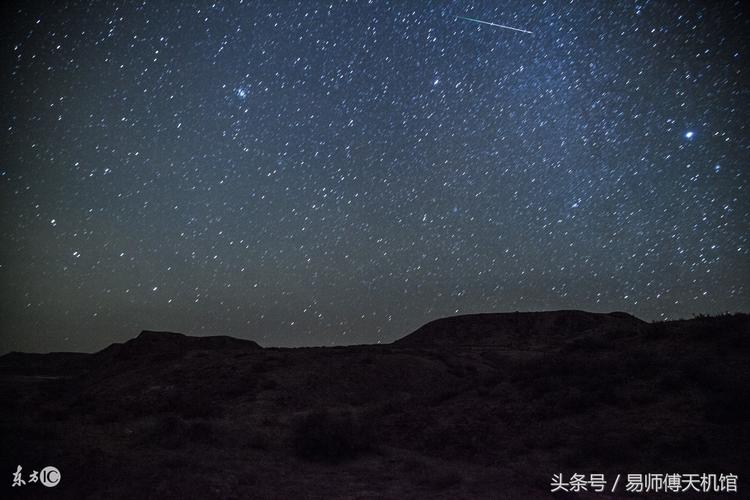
<point>492,24</point>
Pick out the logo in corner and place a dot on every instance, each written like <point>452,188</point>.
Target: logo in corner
<point>50,476</point>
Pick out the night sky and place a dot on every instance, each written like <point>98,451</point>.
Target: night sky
<point>324,173</point>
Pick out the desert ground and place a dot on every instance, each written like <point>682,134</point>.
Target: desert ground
<point>478,406</point>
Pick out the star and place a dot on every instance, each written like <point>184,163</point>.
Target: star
<point>241,92</point>
<point>238,160</point>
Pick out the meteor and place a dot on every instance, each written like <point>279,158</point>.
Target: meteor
<point>492,24</point>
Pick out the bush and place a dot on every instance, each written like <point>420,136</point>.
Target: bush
<point>171,432</point>
<point>328,437</point>
<point>259,440</point>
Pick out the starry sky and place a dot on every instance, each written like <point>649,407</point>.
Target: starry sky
<point>309,173</point>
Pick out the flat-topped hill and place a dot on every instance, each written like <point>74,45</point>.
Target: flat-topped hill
<point>518,330</point>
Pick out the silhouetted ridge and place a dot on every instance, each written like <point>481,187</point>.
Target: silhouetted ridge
<point>519,330</point>
<point>153,343</point>
<point>440,414</point>
<point>40,364</point>
<point>157,336</point>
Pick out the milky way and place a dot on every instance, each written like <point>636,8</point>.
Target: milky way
<point>324,174</point>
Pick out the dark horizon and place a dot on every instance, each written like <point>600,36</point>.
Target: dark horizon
<point>389,342</point>
<point>484,406</point>
<point>309,174</point>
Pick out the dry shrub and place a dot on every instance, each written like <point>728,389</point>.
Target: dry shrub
<point>328,437</point>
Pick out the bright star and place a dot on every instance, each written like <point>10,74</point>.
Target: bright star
<point>689,135</point>
<point>241,92</point>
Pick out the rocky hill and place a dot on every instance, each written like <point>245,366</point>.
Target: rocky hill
<point>481,406</point>
<point>521,329</point>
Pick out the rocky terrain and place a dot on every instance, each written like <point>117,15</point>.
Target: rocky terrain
<point>479,406</point>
